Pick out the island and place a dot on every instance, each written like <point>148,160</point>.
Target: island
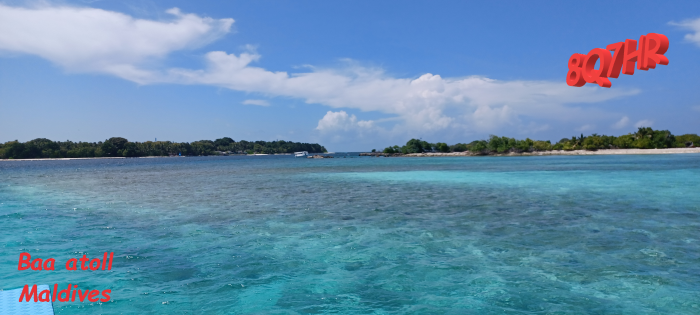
<point>644,141</point>
<point>43,148</point>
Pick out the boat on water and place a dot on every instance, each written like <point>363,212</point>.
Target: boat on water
<point>301,154</point>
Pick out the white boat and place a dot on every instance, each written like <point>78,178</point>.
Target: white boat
<point>301,154</point>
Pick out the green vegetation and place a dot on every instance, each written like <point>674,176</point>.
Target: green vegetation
<point>644,138</point>
<point>412,146</point>
<point>112,147</point>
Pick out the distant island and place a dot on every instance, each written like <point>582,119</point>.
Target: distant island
<point>644,138</point>
<point>121,147</point>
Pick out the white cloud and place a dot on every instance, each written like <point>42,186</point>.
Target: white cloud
<point>644,123</point>
<point>341,121</point>
<point>256,102</point>
<point>696,108</point>
<point>93,40</point>
<point>474,103</point>
<point>693,25</point>
<point>622,123</point>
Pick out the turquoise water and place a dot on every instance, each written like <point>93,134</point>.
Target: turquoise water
<point>278,235</point>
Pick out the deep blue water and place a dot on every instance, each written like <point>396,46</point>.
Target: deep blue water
<point>279,235</point>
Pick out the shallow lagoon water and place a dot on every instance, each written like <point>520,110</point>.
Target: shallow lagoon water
<point>279,235</point>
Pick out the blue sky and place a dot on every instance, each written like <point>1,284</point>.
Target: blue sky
<point>349,75</point>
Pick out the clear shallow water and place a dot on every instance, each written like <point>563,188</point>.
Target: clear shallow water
<point>278,235</point>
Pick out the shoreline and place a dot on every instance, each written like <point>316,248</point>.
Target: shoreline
<point>442,154</point>
<point>574,152</point>
<point>138,157</point>
<point>543,153</point>
<point>66,159</point>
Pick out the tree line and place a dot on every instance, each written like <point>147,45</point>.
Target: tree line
<point>121,147</point>
<point>644,138</point>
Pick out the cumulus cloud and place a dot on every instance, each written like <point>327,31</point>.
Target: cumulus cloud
<point>692,25</point>
<point>86,39</point>
<point>93,40</point>
<point>622,123</point>
<point>341,121</point>
<point>644,123</point>
<point>256,102</point>
<point>423,103</point>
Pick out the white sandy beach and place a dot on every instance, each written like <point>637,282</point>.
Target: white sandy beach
<point>575,152</point>
<point>64,159</point>
<point>437,154</point>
